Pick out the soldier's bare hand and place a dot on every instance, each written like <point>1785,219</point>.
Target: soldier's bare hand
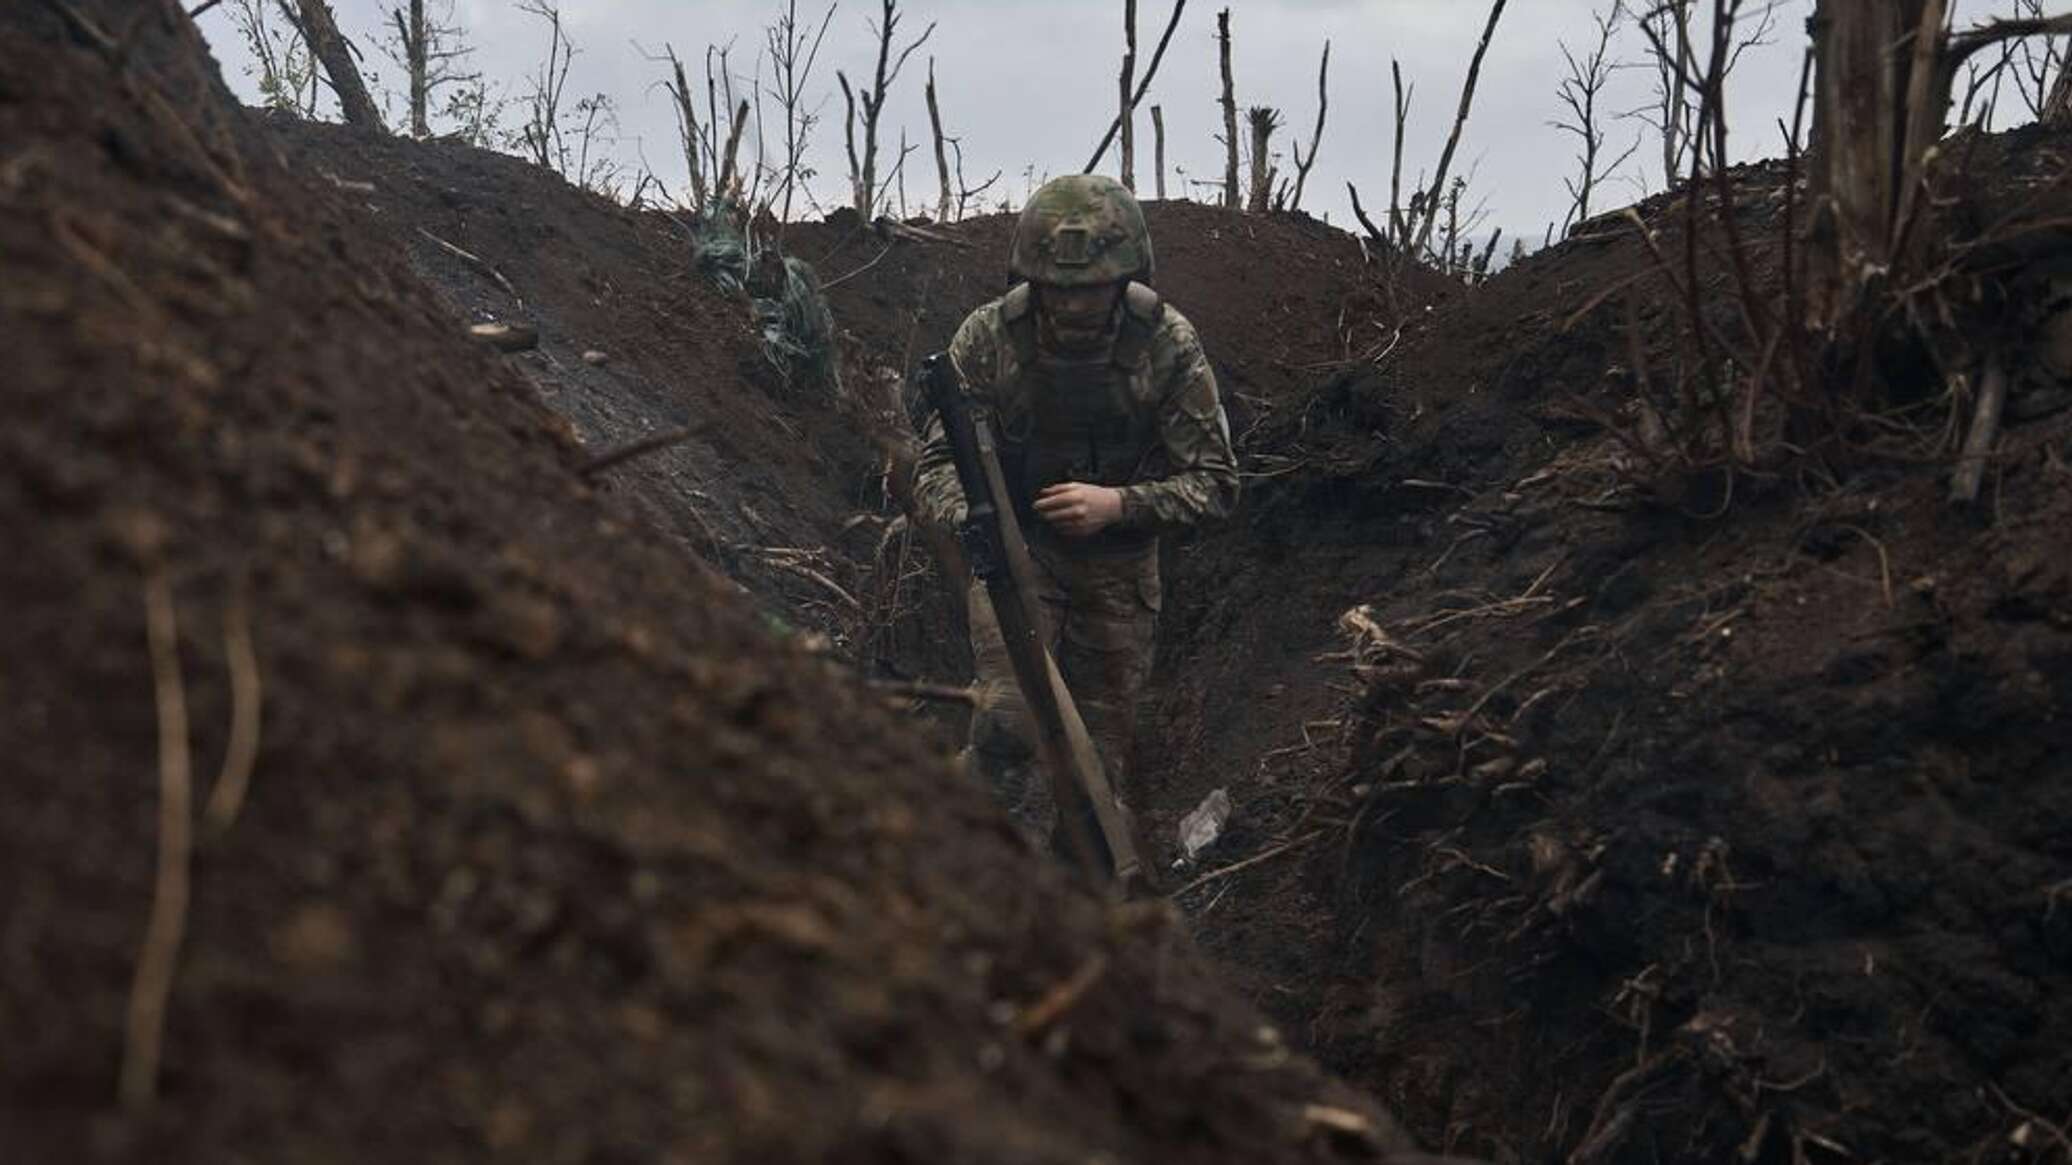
<point>1079,510</point>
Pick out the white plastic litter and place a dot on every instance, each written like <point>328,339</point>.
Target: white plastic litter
<point>1200,828</point>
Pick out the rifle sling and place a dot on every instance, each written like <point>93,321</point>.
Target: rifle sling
<point>1067,748</point>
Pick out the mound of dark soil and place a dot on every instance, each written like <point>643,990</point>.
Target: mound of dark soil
<point>552,849</point>
<point>1639,835</point>
<point>1275,298</point>
<point>1282,303</point>
<point>634,342</point>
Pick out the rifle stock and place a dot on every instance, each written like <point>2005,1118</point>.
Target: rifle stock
<point>999,556</point>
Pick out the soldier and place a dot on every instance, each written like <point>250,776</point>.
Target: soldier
<point>1111,434</point>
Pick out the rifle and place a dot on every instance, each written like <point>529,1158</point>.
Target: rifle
<point>992,541</point>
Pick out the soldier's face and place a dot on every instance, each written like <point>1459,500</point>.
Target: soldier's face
<point>1076,319</point>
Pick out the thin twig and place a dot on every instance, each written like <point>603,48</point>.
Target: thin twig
<point>1143,84</point>
<point>841,279</point>
<point>1985,429</point>
<point>1521,673</point>
<point>144,1037</point>
<point>833,587</point>
<point>915,690</point>
<point>227,796</point>
<point>632,449</point>
<point>2057,1134</point>
<point>1884,559</point>
<point>477,262</point>
<point>1060,999</point>
<point>1248,863</point>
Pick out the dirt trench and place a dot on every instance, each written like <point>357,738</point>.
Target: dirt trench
<point>551,844</point>
<point>1607,832</point>
<point>1612,826</point>
<point>1640,826</point>
<point>1682,701</point>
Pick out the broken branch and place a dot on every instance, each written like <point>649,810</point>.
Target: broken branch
<point>1302,164</point>
<point>1143,86</point>
<point>1248,863</point>
<point>1060,999</point>
<point>481,265</point>
<point>632,449</point>
<point>1985,429</point>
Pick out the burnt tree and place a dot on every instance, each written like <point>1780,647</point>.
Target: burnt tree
<point>329,47</point>
<point>1229,103</point>
<point>863,165</point>
<point>1304,162</point>
<point>1263,121</point>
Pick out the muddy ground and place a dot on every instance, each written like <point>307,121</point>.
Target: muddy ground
<point>1617,825</point>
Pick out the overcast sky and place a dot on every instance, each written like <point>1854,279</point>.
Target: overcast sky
<point>1031,86</point>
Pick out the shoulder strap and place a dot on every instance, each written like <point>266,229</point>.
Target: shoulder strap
<point>1143,303</point>
<point>1143,309</point>
<point>1018,313</point>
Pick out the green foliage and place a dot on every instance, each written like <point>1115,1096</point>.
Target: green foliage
<point>282,65</point>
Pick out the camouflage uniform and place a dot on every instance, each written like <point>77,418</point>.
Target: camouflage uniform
<point>1144,418</point>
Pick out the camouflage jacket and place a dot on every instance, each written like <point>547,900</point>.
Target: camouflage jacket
<point>1180,469</point>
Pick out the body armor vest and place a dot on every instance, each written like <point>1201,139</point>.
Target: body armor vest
<point>1087,419</point>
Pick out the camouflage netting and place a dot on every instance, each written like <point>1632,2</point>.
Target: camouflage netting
<point>784,296</point>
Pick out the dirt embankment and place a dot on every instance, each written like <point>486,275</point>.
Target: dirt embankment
<point>777,482</point>
<point>552,849</point>
<point>1614,834</point>
<point>1636,834</point>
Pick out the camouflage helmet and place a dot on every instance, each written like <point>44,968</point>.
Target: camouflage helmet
<point>1081,230</point>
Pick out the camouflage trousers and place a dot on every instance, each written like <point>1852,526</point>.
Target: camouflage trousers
<point>1101,614</point>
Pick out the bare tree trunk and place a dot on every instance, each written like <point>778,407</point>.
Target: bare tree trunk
<point>1460,118</point>
<point>1143,86</point>
<point>1399,222</point>
<point>1158,146</point>
<point>874,99</point>
<point>1885,70</point>
<point>1128,113</point>
<point>687,110</point>
<point>859,194</point>
<point>1856,112</point>
<point>1303,164</point>
<point>1673,54</point>
<point>1984,431</point>
<point>1453,264</point>
<point>1229,103</point>
<point>2057,108</point>
<point>942,157</point>
<point>1579,91</point>
<point>420,122</point>
<point>331,49</point>
<point>728,180</point>
<point>870,119</point>
<point>1263,121</point>
<point>410,31</point>
<point>787,44</point>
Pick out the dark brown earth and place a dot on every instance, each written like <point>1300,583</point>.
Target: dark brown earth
<point>1669,837</point>
<point>1610,832</point>
<point>555,847</point>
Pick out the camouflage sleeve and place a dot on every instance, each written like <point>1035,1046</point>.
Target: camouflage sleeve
<point>1199,480</point>
<point>938,495</point>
